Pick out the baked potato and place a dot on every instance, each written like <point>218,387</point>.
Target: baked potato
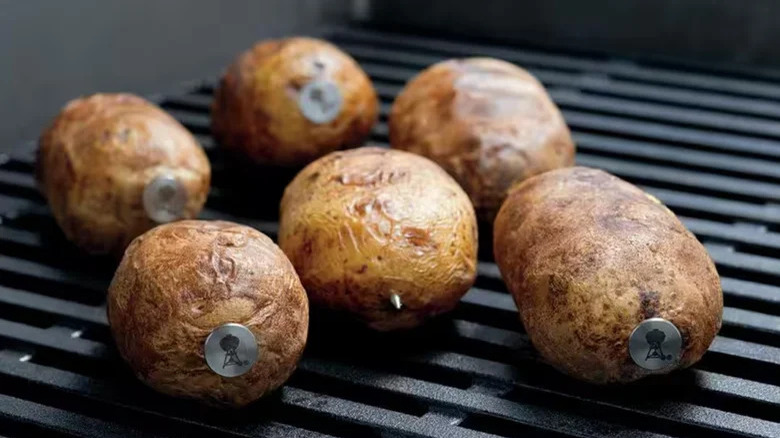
<point>287,102</point>
<point>114,165</point>
<point>610,285</point>
<point>385,235</point>
<point>212,311</point>
<point>487,122</point>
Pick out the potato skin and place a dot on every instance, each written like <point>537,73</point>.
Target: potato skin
<point>97,156</point>
<point>487,122</point>
<point>255,110</point>
<point>589,256</point>
<point>179,281</point>
<point>362,224</point>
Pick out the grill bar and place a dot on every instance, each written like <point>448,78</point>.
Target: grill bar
<point>60,420</point>
<point>614,67</point>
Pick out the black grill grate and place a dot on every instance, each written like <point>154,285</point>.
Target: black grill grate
<point>706,143</point>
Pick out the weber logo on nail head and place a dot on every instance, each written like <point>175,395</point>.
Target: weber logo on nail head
<point>231,350</point>
<point>655,344</point>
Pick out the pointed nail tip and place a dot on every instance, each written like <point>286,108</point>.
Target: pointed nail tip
<point>395,300</point>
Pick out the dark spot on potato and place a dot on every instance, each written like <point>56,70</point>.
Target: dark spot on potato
<point>229,240</point>
<point>556,291</point>
<point>198,309</point>
<point>588,340</point>
<point>616,220</point>
<point>686,337</point>
<point>362,269</point>
<point>648,304</point>
<point>294,86</point>
<point>561,204</point>
<point>366,205</point>
<point>124,135</point>
<point>313,177</point>
<point>188,296</point>
<point>396,176</point>
<point>416,236</point>
<point>307,247</point>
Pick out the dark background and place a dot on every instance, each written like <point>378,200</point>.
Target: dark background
<point>52,51</point>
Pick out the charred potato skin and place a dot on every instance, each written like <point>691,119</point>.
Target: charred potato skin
<point>362,224</point>
<point>486,122</point>
<point>95,159</point>
<point>256,114</point>
<point>587,257</point>
<point>180,281</point>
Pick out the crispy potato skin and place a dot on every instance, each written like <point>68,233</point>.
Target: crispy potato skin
<point>487,122</point>
<point>589,256</point>
<point>97,156</point>
<point>255,110</point>
<point>179,281</point>
<point>362,224</point>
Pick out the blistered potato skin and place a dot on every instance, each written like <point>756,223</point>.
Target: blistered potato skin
<point>179,281</point>
<point>589,256</point>
<point>362,224</point>
<point>97,156</point>
<point>256,114</point>
<point>487,122</point>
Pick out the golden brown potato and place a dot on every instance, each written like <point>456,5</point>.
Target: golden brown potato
<point>383,234</point>
<point>588,257</point>
<point>96,160</point>
<point>487,122</point>
<point>179,282</point>
<point>287,102</point>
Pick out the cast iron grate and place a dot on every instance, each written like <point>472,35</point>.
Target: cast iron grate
<point>706,143</point>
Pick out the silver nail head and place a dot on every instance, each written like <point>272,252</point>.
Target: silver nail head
<point>230,350</point>
<point>395,300</point>
<point>655,344</point>
<point>164,199</point>
<point>320,101</point>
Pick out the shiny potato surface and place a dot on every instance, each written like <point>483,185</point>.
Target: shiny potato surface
<point>362,225</point>
<point>258,112</point>
<point>487,122</point>
<point>588,257</point>
<point>96,159</point>
<point>179,282</point>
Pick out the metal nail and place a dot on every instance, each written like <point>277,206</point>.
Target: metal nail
<point>395,300</point>
<point>655,344</point>
<point>231,350</point>
<point>164,199</point>
<point>320,101</point>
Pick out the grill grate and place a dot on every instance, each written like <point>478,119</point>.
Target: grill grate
<point>706,143</point>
